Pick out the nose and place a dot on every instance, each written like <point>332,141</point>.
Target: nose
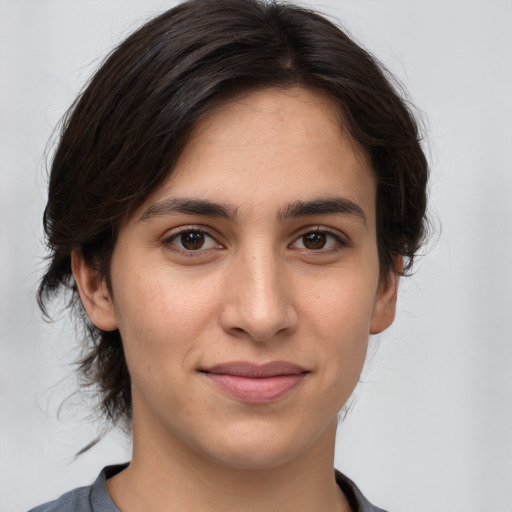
<point>258,301</point>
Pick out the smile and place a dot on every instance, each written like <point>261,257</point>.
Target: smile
<point>256,384</point>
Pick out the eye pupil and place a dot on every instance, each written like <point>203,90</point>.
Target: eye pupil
<point>314,240</point>
<point>192,240</point>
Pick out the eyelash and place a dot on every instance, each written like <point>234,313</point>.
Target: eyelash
<point>168,241</point>
<point>340,241</point>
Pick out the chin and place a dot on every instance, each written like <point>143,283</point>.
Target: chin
<point>259,448</point>
<point>253,458</point>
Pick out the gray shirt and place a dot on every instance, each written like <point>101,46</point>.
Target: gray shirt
<point>95,497</point>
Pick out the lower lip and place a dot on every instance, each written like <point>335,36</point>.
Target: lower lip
<point>256,390</point>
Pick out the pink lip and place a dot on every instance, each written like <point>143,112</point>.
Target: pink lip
<point>256,384</point>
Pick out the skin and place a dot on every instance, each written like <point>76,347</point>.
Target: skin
<point>303,289</point>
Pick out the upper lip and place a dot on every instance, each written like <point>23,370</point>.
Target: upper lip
<point>251,370</point>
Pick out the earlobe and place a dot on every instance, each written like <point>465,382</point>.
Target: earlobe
<point>93,293</point>
<point>385,302</point>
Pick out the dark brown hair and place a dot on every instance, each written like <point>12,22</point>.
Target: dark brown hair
<point>123,134</point>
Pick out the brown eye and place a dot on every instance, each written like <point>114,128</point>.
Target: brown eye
<point>192,240</point>
<point>319,240</point>
<point>314,240</point>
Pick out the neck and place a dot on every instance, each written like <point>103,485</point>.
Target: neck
<point>170,476</point>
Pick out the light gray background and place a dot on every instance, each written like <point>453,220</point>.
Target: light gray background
<point>432,426</point>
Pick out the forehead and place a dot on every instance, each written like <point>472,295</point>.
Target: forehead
<point>268,148</point>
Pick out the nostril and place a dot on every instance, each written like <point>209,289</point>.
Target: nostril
<point>260,307</point>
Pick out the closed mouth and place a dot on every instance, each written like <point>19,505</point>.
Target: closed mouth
<point>254,383</point>
<point>256,371</point>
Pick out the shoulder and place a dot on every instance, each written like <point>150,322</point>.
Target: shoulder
<point>78,500</point>
<point>357,500</point>
<point>92,498</point>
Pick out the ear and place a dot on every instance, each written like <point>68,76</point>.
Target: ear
<point>94,293</point>
<point>385,302</point>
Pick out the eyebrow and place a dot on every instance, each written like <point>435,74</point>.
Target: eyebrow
<point>328,206</point>
<point>204,207</point>
<point>189,207</point>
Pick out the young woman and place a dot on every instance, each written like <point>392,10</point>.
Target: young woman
<point>232,202</point>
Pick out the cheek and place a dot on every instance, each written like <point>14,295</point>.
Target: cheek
<point>340,304</point>
<point>161,315</point>
<point>337,314</point>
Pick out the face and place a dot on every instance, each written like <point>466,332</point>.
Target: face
<point>245,288</point>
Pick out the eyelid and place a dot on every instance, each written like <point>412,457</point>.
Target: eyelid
<point>341,238</point>
<point>171,235</point>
